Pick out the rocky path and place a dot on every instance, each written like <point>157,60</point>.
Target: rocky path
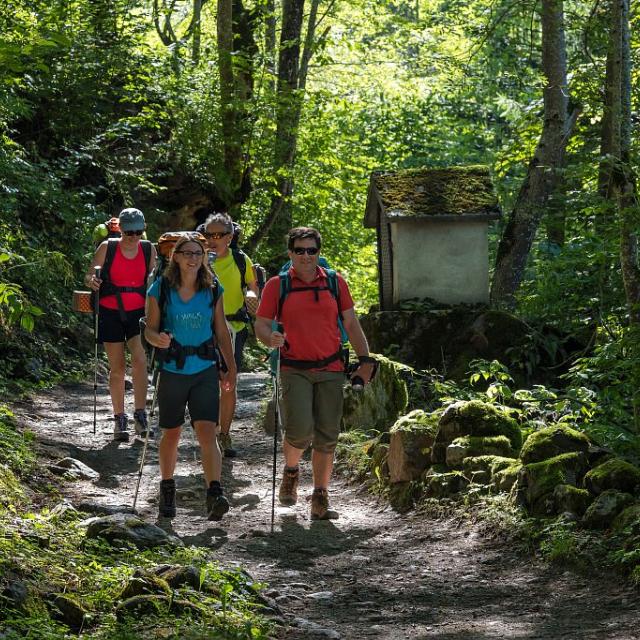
<point>369,574</point>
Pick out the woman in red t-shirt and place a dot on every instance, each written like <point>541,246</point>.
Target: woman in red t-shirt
<point>122,287</point>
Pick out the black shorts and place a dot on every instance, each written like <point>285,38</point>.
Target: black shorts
<point>111,328</point>
<point>199,391</point>
<point>238,347</point>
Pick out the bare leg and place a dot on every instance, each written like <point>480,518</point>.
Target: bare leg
<point>138,372</point>
<point>322,465</point>
<point>291,455</point>
<point>168,452</point>
<point>227,408</point>
<point>115,355</point>
<point>209,451</point>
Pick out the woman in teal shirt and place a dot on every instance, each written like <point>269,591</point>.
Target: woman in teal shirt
<point>186,332</point>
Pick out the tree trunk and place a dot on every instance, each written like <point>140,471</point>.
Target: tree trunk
<point>275,224</point>
<point>197,31</point>
<point>539,185</point>
<point>270,42</point>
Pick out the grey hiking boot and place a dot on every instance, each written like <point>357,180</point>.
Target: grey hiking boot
<point>225,445</point>
<point>288,493</point>
<point>141,423</point>
<point>167,504</point>
<point>319,504</point>
<point>121,428</point>
<point>217,504</point>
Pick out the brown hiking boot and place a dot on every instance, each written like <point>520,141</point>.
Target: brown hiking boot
<point>288,494</point>
<point>319,504</point>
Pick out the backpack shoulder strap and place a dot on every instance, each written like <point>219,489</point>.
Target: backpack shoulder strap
<point>163,297</point>
<point>240,259</point>
<point>332,282</point>
<point>146,250</point>
<point>285,288</point>
<point>112,246</point>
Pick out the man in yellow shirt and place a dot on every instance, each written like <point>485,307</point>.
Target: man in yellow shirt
<point>235,272</point>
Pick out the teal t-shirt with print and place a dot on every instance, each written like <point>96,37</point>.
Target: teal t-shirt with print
<point>188,322</point>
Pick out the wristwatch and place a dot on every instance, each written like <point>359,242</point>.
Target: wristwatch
<point>366,360</point>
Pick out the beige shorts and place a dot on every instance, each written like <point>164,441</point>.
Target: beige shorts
<point>312,408</point>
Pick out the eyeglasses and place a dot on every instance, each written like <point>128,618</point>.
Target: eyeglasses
<point>310,251</point>
<point>191,254</point>
<point>137,232</point>
<point>216,235</point>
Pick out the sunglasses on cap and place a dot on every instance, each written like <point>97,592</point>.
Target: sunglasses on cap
<point>310,251</point>
<point>216,235</point>
<point>137,232</point>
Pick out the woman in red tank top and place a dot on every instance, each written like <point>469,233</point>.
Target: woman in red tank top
<point>122,288</point>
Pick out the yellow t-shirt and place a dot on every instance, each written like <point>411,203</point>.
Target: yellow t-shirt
<point>229,275</point>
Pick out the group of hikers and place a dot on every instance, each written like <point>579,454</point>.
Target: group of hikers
<point>195,317</point>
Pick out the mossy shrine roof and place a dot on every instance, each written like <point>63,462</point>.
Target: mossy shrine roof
<point>445,194</point>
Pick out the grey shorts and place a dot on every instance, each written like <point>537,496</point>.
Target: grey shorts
<point>312,408</point>
<point>199,391</point>
<point>238,347</point>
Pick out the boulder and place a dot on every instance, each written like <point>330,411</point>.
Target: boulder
<point>469,446</point>
<point>568,498</point>
<point>67,610</point>
<point>504,479</point>
<point>444,485</point>
<point>123,527</point>
<point>491,469</point>
<point>538,480</point>
<point>474,418</point>
<point>605,508</point>
<point>411,439</point>
<point>551,442</point>
<point>380,404</point>
<point>628,518</point>
<point>613,474</point>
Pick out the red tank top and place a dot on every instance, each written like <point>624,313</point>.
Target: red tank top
<point>126,272</point>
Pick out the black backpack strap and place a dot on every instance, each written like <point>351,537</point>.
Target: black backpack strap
<point>112,247</point>
<point>240,259</point>
<point>146,250</point>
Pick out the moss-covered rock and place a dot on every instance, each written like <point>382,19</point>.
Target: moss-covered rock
<point>628,519</point>
<point>378,464</point>
<point>468,446</point>
<point>474,418</point>
<point>484,469</point>
<point>444,485</point>
<point>504,478</point>
<point>142,582</point>
<point>381,402</point>
<point>605,508</point>
<point>537,481</point>
<point>412,437</point>
<point>613,474</point>
<point>551,442</point>
<point>68,610</point>
<point>569,498</point>
<point>403,495</point>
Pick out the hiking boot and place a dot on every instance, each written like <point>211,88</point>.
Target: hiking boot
<point>141,423</point>
<point>319,504</point>
<point>167,504</point>
<point>288,493</point>
<point>225,445</point>
<point>121,428</point>
<point>217,504</point>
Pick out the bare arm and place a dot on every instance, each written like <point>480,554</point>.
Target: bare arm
<point>264,333</point>
<point>152,332</point>
<point>358,341</point>
<point>224,343</point>
<point>98,260</point>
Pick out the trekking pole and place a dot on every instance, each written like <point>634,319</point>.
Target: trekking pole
<point>96,313</point>
<point>144,454</point>
<point>155,379</point>
<point>276,393</point>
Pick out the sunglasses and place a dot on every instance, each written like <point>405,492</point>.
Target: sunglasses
<point>310,251</point>
<point>216,235</point>
<point>138,232</point>
<point>191,254</point>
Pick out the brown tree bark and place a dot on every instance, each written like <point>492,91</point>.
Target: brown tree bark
<point>542,175</point>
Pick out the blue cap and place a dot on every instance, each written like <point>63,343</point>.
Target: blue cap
<point>131,220</point>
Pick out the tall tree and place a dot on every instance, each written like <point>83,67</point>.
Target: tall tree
<point>548,159</point>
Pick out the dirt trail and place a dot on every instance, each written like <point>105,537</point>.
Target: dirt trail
<point>369,574</point>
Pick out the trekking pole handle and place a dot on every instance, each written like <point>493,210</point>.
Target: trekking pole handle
<point>96,272</point>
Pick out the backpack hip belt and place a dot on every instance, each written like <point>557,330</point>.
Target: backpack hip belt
<point>312,364</point>
<point>240,315</point>
<point>179,352</point>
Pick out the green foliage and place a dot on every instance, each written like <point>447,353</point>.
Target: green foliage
<point>16,447</point>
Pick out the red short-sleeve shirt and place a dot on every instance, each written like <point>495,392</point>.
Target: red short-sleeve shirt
<point>309,318</point>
